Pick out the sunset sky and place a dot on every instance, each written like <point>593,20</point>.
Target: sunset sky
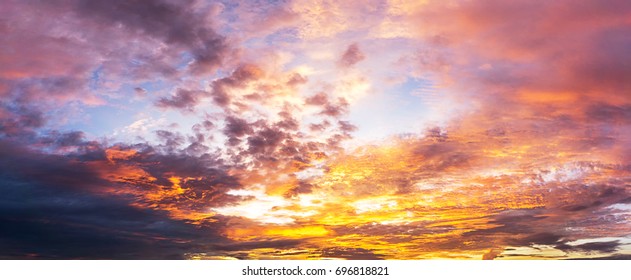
<point>313,129</point>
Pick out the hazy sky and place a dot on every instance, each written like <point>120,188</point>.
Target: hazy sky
<point>315,129</point>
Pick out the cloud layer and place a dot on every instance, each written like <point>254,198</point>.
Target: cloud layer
<point>315,129</point>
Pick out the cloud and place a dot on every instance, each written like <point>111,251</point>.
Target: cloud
<point>261,19</point>
<point>612,257</point>
<point>170,139</point>
<point>183,99</point>
<point>174,24</point>
<point>530,159</point>
<point>318,99</point>
<point>350,254</point>
<point>492,254</point>
<point>237,79</point>
<point>556,54</point>
<point>609,113</point>
<point>19,120</point>
<point>55,207</point>
<point>329,108</point>
<point>236,128</point>
<point>351,56</point>
<point>602,247</point>
<point>97,51</point>
<point>96,202</point>
<point>265,141</point>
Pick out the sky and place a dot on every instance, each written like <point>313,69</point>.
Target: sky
<point>313,129</point>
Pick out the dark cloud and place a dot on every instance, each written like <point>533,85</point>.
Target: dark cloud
<point>140,91</point>
<point>609,113</point>
<point>64,139</point>
<point>318,99</point>
<point>350,253</point>
<point>601,247</point>
<point>611,257</point>
<point>46,64</point>
<point>288,122</point>
<point>49,87</point>
<point>346,126</point>
<point>443,155</point>
<point>548,226</point>
<point>52,170</point>
<point>601,66</point>
<point>18,120</point>
<point>544,238</point>
<point>171,140</point>
<point>160,165</point>
<point>329,108</point>
<point>265,141</point>
<point>302,187</point>
<point>335,110</point>
<point>183,100</point>
<point>175,24</point>
<point>88,204</point>
<point>123,39</point>
<point>58,207</point>
<point>24,238</point>
<point>238,79</point>
<point>319,126</point>
<point>267,144</point>
<point>351,56</point>
<point>574,208</point>
<point>524,171</point>
<point>236,128</point>
<point>57,224</point>
<point>158,18</point>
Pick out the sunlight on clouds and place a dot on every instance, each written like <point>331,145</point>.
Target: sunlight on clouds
<point>358,196</point>
<point>262,208</point>
<point>317,129</point>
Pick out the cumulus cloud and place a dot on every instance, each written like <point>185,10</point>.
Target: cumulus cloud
<point>351,56</point>
<point>238,79</point>
<point>183,99</point>
<point>175,24</point>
